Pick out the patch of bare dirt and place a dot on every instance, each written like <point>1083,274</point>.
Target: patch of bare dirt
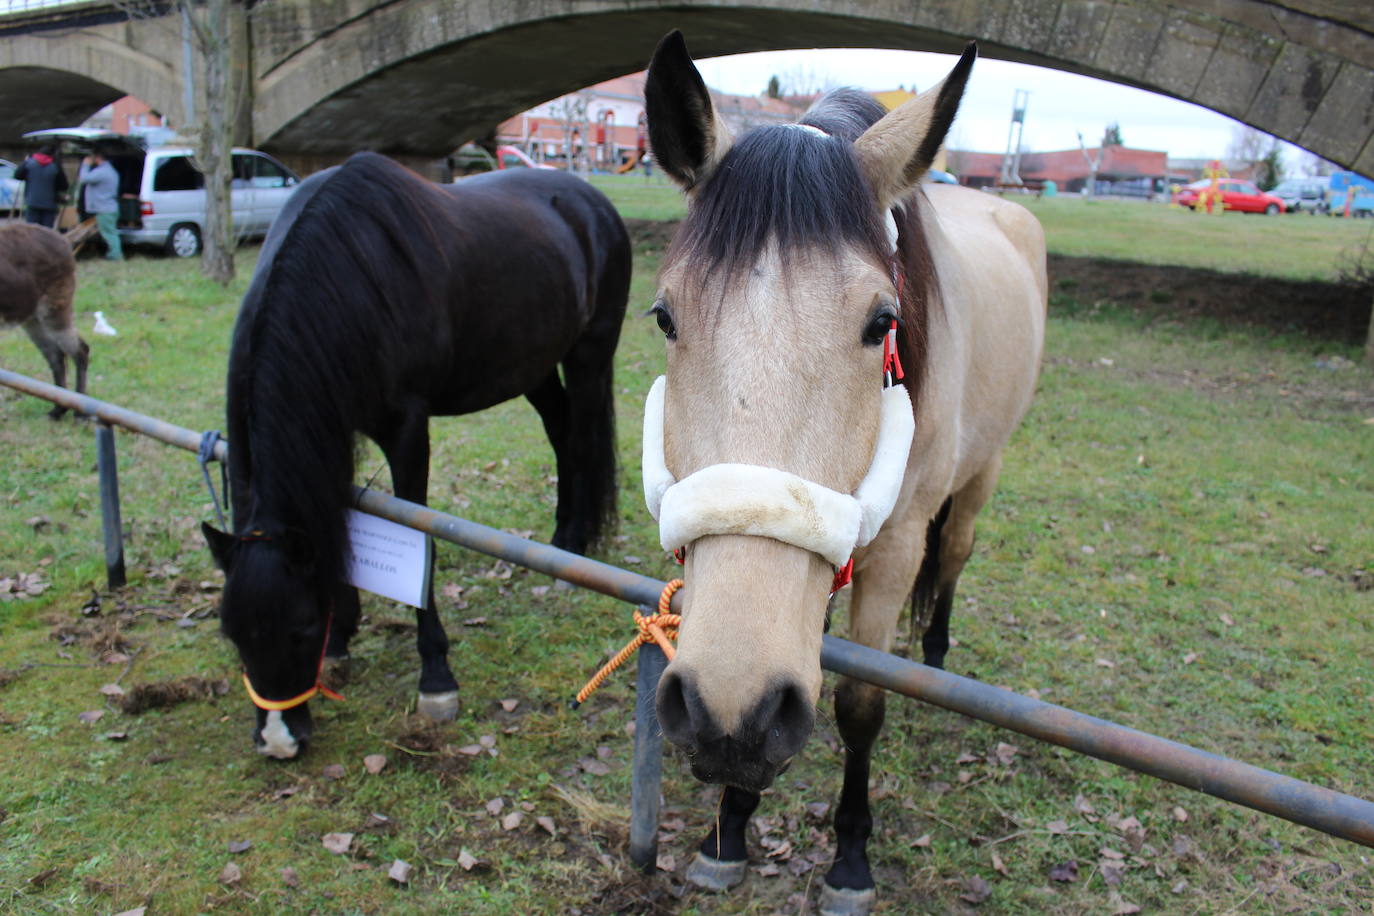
<point>163,694</point>
<point>1327,311</point>
<point>426,748</point>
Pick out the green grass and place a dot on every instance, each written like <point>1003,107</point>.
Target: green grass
<point>1297,246</point>
<point>1222,479</point>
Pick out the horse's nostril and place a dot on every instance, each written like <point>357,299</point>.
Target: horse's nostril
<point>792,719</point>
<point>673,715</point>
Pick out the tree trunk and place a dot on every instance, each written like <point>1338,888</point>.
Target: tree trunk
<point>215,139</point>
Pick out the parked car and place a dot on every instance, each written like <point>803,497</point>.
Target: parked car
<point>9,186</point>
<point>471,159</point>
<point>1303,194</point>
<point>162,190</point>
<point>1236,194</point>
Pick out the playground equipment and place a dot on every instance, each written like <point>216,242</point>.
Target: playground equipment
<point>1352,195</point>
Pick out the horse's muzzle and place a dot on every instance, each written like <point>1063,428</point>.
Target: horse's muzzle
<point>753,754</point>
<point>283,735</point>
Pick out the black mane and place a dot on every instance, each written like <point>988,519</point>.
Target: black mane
<point>299,462</point>
<point>780,184</point>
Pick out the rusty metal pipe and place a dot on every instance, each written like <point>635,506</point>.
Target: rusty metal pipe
<point>1340,815</point>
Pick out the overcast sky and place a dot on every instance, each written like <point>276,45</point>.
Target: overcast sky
<point>1061,104</point>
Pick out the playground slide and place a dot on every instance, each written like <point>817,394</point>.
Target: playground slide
<point>629,163</point>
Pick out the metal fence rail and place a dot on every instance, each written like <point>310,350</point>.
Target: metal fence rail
<point>1338,814</point>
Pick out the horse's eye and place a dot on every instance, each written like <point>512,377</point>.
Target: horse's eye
<point>665,321</point>
<point>878,326</point>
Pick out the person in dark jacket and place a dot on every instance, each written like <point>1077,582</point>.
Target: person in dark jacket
<point>44,184</point>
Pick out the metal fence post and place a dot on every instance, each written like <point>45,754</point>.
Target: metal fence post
<point>109,504</point>
<point>646,785</point>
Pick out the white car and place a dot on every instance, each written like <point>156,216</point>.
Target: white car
<point>162,192</point>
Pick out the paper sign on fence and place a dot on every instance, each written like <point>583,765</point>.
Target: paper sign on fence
<point>387,559</point>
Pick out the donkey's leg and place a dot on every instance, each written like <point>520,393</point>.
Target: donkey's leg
<point>48,345</point>
<point>956,545</point>
<point>407,451</point>
<point>551,401</point>
<point>880,590</point>
<point>722,860</point>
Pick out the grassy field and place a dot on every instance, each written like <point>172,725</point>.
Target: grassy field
<point>1181,543</point>
<point>1298,246</point>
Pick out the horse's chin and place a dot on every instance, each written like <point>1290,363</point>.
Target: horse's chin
<point>751,776</point>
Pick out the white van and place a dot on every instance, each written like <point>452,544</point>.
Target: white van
<point>162,193</point>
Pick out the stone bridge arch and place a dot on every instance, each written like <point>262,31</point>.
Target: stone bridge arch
<point>60,78</point>
<point>420,76</point>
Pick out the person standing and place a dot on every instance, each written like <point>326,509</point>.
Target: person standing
<point>44,183</point>
<point>100,186</point>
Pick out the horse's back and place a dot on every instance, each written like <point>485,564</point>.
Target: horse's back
<point>991,257</point>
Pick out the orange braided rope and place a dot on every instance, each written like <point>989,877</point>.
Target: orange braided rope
<point>660,628</point>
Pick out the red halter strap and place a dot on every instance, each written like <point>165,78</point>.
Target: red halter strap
<point>262,702</point>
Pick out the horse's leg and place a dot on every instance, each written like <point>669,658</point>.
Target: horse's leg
<point>344,623</point>
<point>591,453</point>
<point>551,401</point>
<point>722,860</point>
<point>924,593</point>
<point>880,590</point>
<point>956,544</point>
<point>407,452</point>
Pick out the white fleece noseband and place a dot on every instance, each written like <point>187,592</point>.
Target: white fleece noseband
<point>767,502</point>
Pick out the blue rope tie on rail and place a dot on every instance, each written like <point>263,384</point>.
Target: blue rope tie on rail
<point>205,455</point>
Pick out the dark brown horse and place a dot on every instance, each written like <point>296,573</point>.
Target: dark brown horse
<point>380,300</point>
<point>37,283</point>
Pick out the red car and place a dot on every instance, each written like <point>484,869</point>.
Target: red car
<point>1235,195</point>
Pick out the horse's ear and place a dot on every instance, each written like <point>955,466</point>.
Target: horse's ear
<point>898,150</point>
<point>221,545</point>
<point>687,136</point>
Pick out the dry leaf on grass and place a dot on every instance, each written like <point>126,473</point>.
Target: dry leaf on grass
<point>333,771</point>
<point>976,890</point>
<point>136,911</point>
<point>509,705</point>
<point>470,750</point>
<point>91,716</point>
<point>231,874</point>
<point>374,763</point>
<point>547,823</point>
<point>1065,872</point>
<point>337,843</point>
<point>495,805</point>
<point>1057,827</point>
<point>289,877</point>
<point>922,841</point>
<point>400,871</point>
<point>512,820</point>
<point>112,690</point>
<point>466,859</point>
<point>1180,814</point>
<point>237,846</point>
<point>999,866</point>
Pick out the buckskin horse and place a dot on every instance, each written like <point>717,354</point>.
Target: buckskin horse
<point>37,284</point>
<point>811,267</point>
<point>381,300</point>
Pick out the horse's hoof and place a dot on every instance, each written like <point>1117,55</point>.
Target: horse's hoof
<point>439,707</point>
<point>845,901</point>
<point>714,874</point>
